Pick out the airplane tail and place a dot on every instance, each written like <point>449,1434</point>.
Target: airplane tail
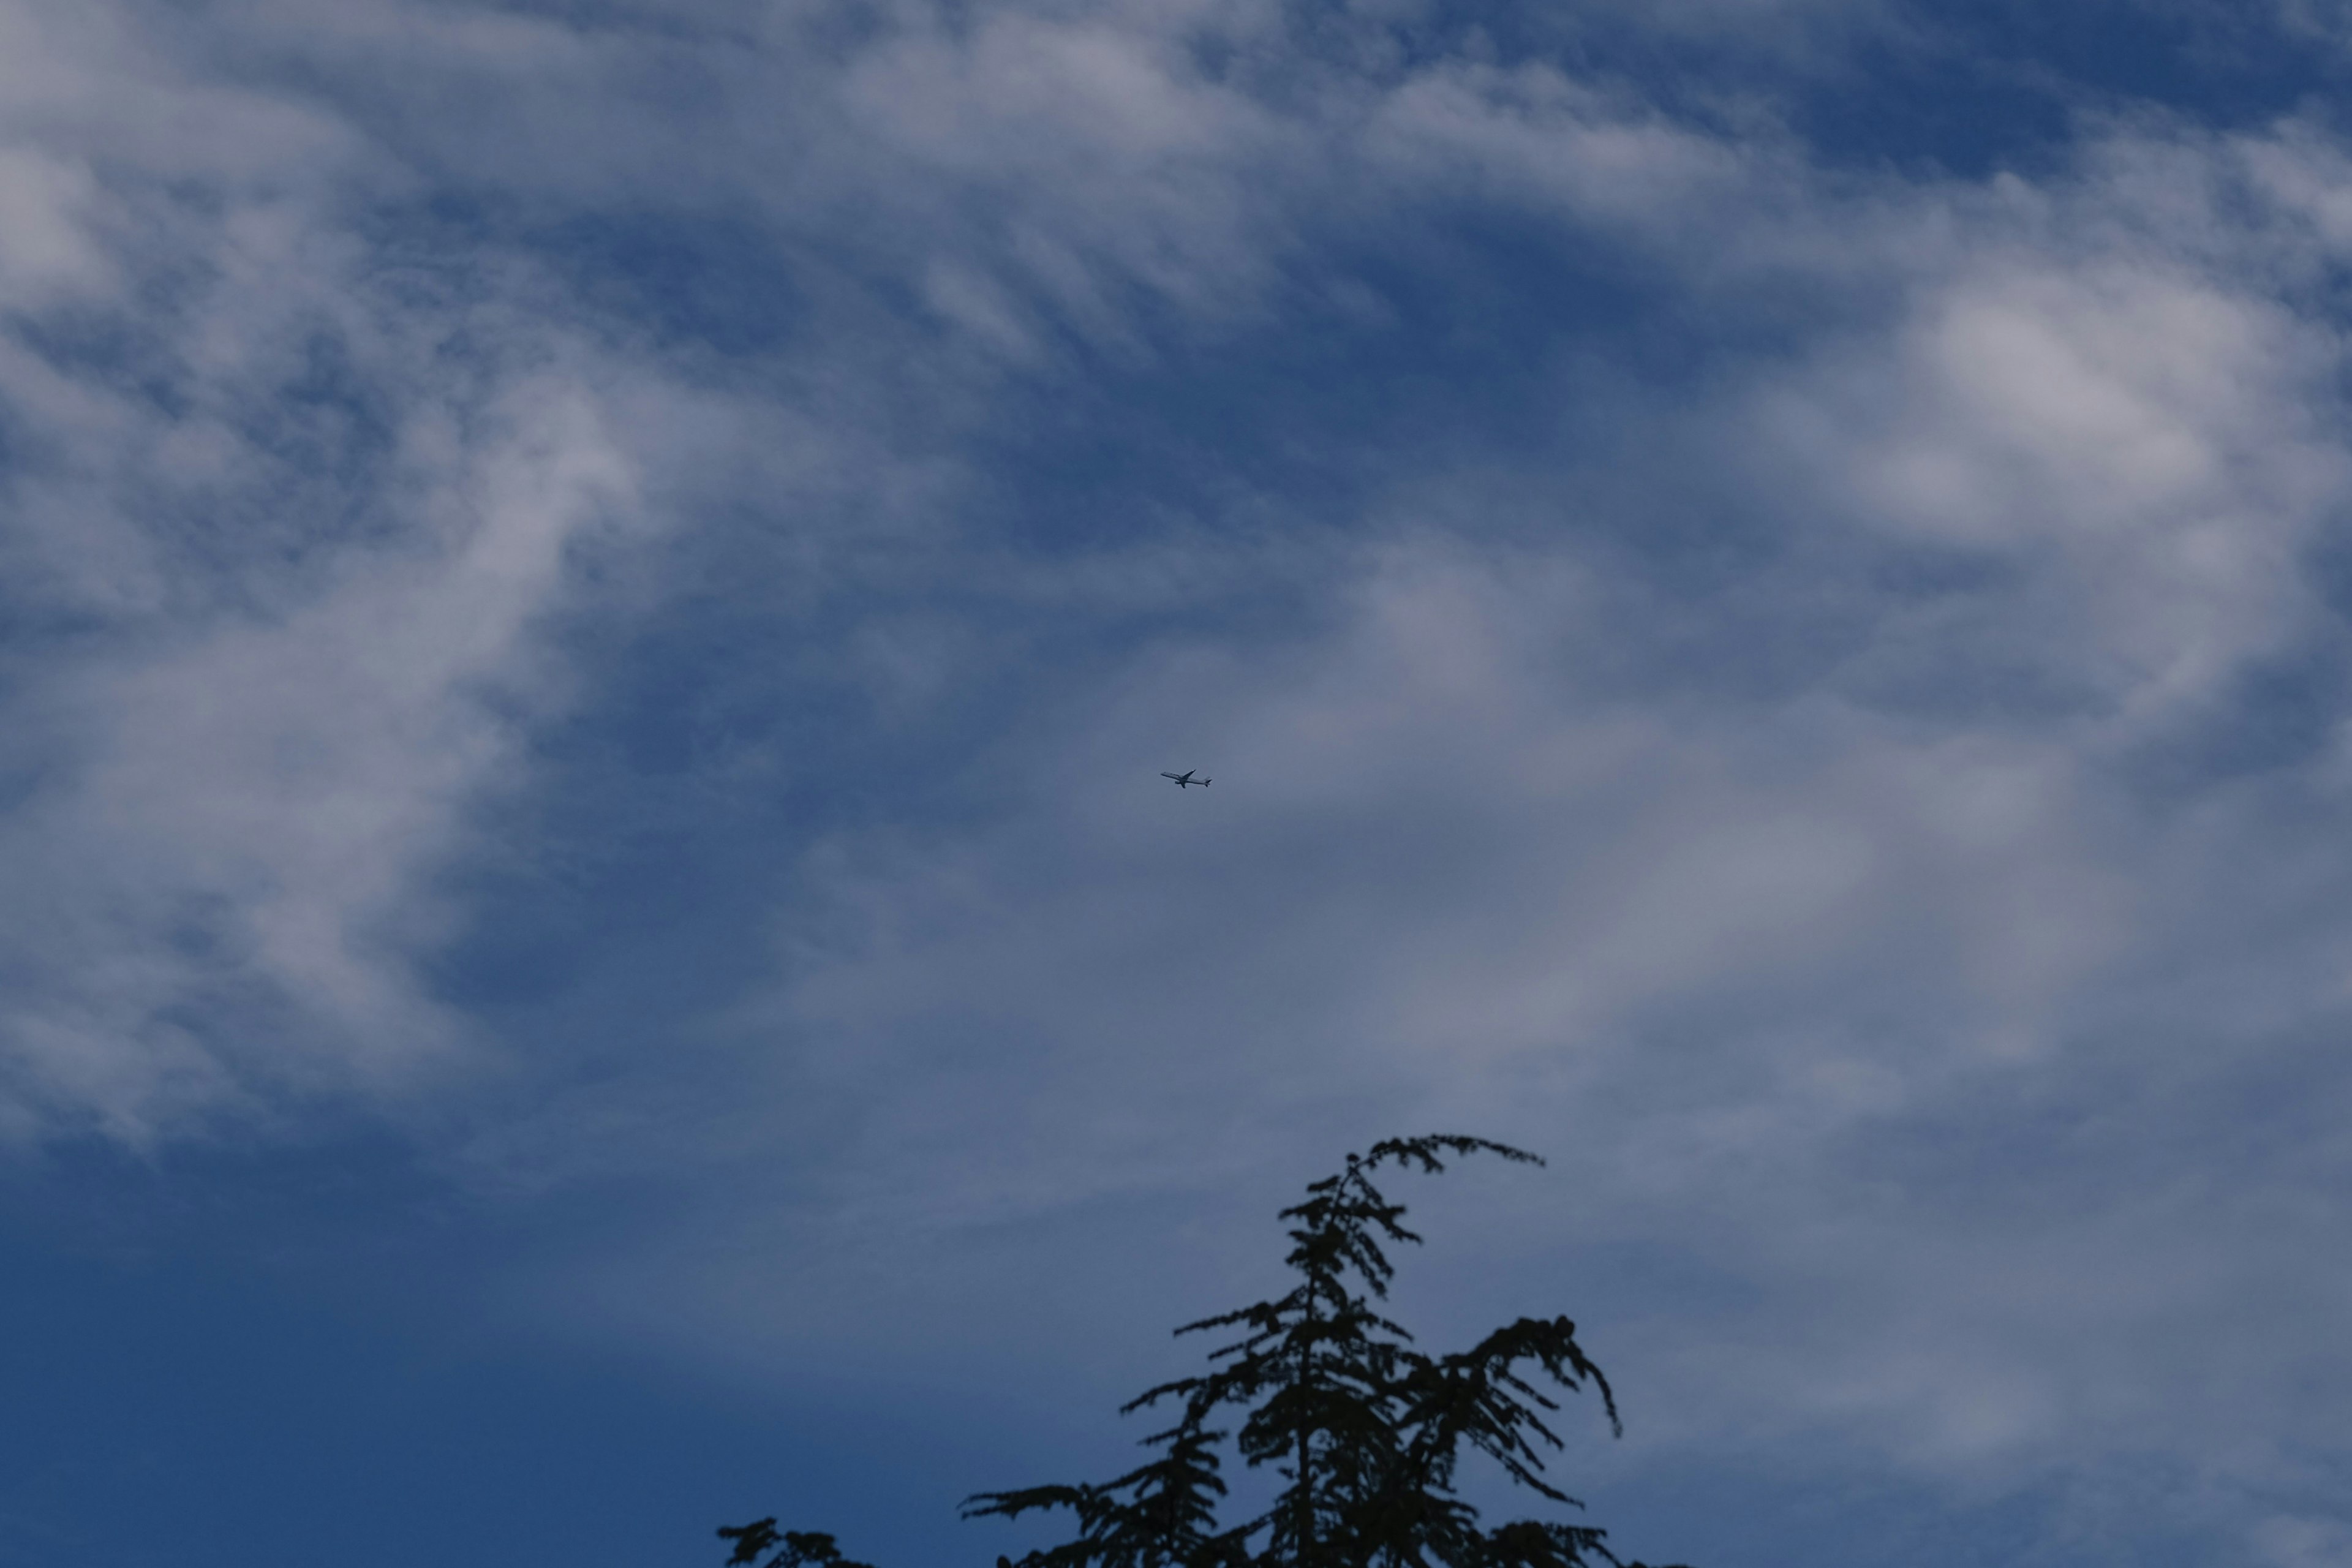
<point>1206,783</point>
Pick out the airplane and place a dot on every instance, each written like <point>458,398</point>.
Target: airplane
<point>1186,778</point>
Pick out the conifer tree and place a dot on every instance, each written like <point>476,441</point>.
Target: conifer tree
<point>1365,1429</point>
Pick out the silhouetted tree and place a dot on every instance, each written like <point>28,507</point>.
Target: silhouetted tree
<point>1365,1430</point>
<point>793,1549</point>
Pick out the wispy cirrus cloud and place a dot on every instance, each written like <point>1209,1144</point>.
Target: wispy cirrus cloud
<point>1874,910</point>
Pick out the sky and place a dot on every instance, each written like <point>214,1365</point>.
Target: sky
<point>594,596</point>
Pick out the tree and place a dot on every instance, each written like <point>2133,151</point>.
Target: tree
<point>1365,1430</point>
<point>793,1549</point>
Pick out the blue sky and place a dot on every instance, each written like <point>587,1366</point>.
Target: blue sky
<point>593,598</point>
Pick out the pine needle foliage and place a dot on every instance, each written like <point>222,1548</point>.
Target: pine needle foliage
<point>1366,1430</point>
<point>790,1548</point>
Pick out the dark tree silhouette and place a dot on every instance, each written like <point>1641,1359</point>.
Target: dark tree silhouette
<point>792,1548</point>
<point>1365,1430</point>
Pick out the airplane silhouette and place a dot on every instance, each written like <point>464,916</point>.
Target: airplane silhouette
<point>1186,778</point>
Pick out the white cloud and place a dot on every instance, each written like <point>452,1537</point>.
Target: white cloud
<point>289,542</point>
<point>1817,909</point>
<point>221,868</point>
<point>1532,138</point>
